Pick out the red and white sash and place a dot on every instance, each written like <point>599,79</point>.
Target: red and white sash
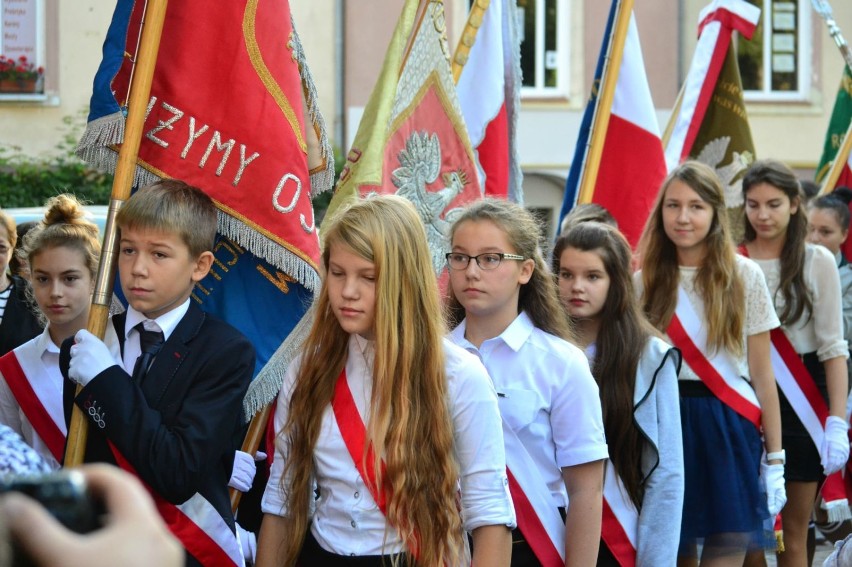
<point>196,524</point>
<point>717,370</point>
<point>41,405</point>
<point>354,434</point>
<point>800,389</point>
<point>620,526</point>
<point>538,518</point>
<point>798,386</point>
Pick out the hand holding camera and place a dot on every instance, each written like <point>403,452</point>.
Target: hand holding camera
<point>133,534</point>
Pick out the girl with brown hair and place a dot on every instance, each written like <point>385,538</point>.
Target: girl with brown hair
<point>714,306</point>
<point>636,373</point>
<point>805,287</point>
<point>505,309</point>
<point>62,253</point>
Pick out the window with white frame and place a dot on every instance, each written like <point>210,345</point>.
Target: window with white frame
<point>22,46</point>
<point>544,47</point>
<point>776,63</point>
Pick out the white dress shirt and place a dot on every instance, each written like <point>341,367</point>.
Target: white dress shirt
<point>346,518</point>
<point>48,388</point>
<point>547,395</point>
<point>167,322</point>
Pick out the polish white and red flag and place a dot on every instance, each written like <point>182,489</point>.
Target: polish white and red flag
<point>489,94</point>
<point>632,162</point>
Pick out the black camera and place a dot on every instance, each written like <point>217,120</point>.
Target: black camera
<point>64,494</point>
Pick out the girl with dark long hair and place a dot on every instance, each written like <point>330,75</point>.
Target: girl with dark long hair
<point>636,372</point>
<point>805,288</point>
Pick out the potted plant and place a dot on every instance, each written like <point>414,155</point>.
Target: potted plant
<point>19,75</point>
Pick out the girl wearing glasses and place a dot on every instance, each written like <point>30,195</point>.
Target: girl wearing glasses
<point>715,307</point>
<point>504,307</point>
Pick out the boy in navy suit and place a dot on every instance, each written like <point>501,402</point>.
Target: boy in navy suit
<point>163,391</point>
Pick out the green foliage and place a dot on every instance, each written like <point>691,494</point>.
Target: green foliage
<point>321,201</point>
<point>27,181</point>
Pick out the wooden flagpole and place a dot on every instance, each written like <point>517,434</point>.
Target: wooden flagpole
<point>839,162</point>
<point>468,37</point>
<point>140,91</point>
<point>823,8</point>
<point>252,440</point>
<point>603,108</point>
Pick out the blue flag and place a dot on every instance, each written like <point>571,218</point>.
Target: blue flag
<point>267,250</point>
<point>572,184</point>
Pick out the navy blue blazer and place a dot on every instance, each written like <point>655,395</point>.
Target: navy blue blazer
<point>180,429</point>
<point>20,322</point>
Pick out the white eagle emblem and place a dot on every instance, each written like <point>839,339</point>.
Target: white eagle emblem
<point>712,154</point>
<point>420,165</point>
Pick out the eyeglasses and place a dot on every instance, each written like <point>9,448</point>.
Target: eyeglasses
<point>486,261</point>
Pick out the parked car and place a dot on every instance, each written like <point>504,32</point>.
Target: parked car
<point>95,213</point>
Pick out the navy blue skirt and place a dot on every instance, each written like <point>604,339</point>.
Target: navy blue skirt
<point>724,499</point>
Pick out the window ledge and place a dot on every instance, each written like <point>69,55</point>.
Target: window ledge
<point>783,108</point>
<point>36,99</point>
<point>539,103</point>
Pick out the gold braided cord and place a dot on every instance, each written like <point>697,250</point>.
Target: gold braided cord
<point>266,76</point>
<point>468,37</point>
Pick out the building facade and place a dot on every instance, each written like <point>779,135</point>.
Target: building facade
<point>791,70</point>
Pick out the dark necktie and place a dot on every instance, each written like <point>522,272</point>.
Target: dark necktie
<point>151,342</point>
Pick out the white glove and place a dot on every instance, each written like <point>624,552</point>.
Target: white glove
<point>89,357</point>
<point>248,542</point>
<point>773,482</point>
<point>835,445</point>
<point>243,474</point>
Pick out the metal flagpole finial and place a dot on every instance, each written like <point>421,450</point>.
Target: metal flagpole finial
<point>823,8</point>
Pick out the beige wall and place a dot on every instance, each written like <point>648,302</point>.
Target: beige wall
<point>547,131</point>
<point>317,26</point>
<point>78,29</point>
<point>794,132</point>
<point>368,34</point>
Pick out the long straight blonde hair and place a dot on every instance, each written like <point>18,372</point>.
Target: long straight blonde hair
<point>409,426</point>
<point>717,280</point>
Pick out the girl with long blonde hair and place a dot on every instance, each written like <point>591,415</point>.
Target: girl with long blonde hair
<point>805,287</point>
<point>504,307</point>
<point>376,364</point>
<point>714,306</point>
